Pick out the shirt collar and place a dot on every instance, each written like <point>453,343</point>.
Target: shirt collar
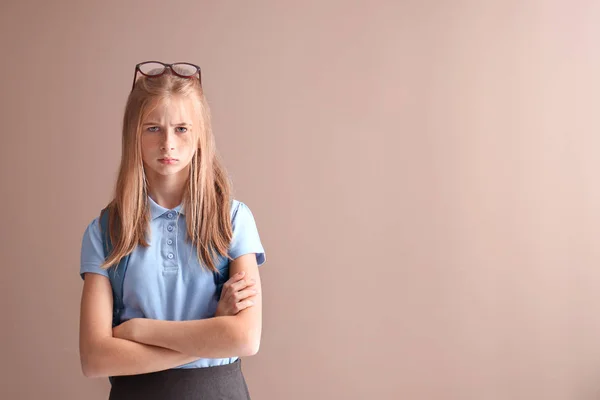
<point>156,210</point>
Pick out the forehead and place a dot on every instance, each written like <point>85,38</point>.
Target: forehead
<point>174,109</point>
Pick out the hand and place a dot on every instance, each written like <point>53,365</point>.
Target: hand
<point>127,329</point>
<point>235,295</point>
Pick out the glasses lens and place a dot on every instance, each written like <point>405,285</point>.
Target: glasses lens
<point>184,69</point>
<point>152,68</point>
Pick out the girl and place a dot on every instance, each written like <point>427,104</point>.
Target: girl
<point>180,335</point>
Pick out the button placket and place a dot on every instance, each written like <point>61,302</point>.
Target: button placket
<point>170,263</point>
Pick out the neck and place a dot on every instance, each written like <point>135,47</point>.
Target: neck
<point>166,191</point>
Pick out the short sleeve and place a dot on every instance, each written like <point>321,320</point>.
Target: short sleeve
<point>92,254</point>
<point>245,235</point>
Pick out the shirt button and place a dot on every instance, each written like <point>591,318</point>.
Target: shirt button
<point>170,215</point>
<point>170,255</point>
<point>169,241</point>
<point>170,228</point>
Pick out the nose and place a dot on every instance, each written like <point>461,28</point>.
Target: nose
<point>168,141</point>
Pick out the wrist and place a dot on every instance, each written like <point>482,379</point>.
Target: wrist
<point>218,313</point>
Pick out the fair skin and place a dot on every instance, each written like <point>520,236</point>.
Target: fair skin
<point>142,345</point>
<point>168,132</point>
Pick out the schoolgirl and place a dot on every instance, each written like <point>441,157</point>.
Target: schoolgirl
<point>182,331</point>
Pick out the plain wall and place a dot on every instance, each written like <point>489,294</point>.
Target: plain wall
<point>423,175</point>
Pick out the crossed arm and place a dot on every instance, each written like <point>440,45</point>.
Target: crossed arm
<point>145,345</point>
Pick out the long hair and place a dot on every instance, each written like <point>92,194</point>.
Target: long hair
<point>207,196</point>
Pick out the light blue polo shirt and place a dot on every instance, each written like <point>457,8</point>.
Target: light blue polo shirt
<point>165,280</point>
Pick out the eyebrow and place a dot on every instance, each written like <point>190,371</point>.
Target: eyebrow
<point>156,123</point>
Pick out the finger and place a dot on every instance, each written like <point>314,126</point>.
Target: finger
<point>235,278</point>
<point>238,276</point>
<point>242,284</point>
<point>244,304</point>
<point>243,294</point>
<point>231,281</point>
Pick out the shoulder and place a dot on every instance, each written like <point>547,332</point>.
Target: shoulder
<point>93,228</point>
<point>235,205</point>
<point>239,210</point>
<point>92,250</point>
<point>246,238</point>
<point>92,237</point>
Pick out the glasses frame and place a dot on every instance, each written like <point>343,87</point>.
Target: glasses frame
<point>170,66</point>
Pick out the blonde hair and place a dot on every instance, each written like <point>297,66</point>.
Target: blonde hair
<point>207,196</point>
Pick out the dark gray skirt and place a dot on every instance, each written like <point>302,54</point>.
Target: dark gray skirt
<point>210,383</point>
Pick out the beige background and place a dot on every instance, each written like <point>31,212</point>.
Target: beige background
<point>424,175</point>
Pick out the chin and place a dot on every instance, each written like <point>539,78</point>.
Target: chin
<point>167,170</point>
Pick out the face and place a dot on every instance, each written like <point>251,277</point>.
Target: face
<point>168,140</point>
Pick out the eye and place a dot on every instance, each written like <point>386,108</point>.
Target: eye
<point>182,127</point>
<point>150,128</point>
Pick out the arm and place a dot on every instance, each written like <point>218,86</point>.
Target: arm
<point>103,355</point>
<point>112,356</point>
<point>219,337</point>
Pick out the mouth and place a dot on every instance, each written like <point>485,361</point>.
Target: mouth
<point>168,160</point>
